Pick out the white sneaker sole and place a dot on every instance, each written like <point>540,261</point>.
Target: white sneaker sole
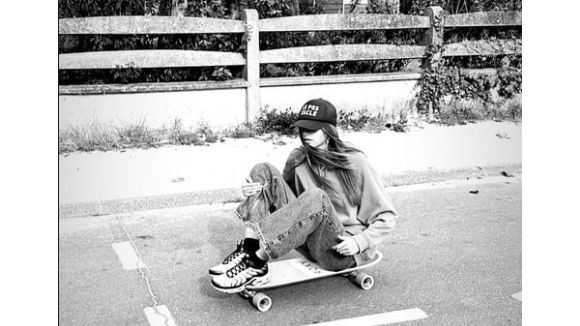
<point>255,281</point>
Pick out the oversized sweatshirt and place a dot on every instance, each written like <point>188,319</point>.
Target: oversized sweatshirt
<point>371,221</point>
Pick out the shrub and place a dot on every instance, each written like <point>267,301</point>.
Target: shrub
<point>207,134</point>
<point>139,135</point>
<point>358,119</point>
<point>353,120</point>
<point>451,81</point>
<point>275,121</point>
<point>244,130</point>
<point>461,111</point>
<point>178,136</point>
<point>513,108</point>
<point>367,120</point>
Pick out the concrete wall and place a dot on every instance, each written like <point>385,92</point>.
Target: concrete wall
<point>219,108</point>
<point>222,108</point>
<point>384,96</point>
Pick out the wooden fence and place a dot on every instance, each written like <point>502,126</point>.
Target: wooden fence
<point>433,24</point>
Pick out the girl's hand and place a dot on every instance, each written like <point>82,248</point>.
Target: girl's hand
<point>250,188</point>
<point>347,247</point>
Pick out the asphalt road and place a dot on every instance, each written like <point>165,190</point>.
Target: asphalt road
<point>456,255</point>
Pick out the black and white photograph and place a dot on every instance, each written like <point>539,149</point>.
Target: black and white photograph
<point>292,162</point>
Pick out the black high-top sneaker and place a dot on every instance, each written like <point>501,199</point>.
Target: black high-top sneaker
<point>245,273</point>
<point>231,260</point>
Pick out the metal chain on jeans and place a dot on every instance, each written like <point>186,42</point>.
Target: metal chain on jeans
<point>266,199</point>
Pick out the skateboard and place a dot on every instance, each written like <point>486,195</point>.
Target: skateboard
<point>298,270</point>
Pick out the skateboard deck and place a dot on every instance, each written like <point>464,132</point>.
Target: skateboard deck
<point>298,270</point>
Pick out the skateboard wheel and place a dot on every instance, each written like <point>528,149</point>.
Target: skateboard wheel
<point>365,281</point>
<point>262,302</point>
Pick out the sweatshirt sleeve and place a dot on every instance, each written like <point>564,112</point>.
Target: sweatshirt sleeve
<point>376,210</point>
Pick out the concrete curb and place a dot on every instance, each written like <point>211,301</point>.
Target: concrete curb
<point>230,195</point>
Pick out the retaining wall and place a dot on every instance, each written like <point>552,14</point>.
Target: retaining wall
<point>222,108</point>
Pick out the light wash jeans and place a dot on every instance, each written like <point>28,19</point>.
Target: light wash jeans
<point>283,222</point>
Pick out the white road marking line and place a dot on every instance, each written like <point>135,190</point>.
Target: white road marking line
<point>127,255</point>
<point>517,296</point>
<point>159,316</point>
<point>379,319</point>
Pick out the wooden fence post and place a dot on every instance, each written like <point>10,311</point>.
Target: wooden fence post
<point>252,69</point>
<point>178,8</point>
<point>393,6</point>
<point>434,37</point>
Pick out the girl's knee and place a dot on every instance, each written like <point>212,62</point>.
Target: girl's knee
<point>338,263</point>
<point>263,171</point>
<point>318,195</point>
<point>312,193</point>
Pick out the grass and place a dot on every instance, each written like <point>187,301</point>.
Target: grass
<point>462,111</point>
<point>245,130</point>
<point>376,120</point>
<point>88,138</point>
<point>102,137</point>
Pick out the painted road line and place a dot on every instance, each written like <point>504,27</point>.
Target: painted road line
<point>379,319</point>
<point>127,255</point>
<point>159,316</point>
<point>517,296</point>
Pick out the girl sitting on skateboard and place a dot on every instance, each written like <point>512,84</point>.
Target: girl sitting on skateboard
<point>329,203</point>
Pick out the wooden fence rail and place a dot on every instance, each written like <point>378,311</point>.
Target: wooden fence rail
<point>483,19</point>
<point>338,22</point>
<point>149,59</point>
<point>342,52</point>
<point>149,25</point>
<point>433,23</point>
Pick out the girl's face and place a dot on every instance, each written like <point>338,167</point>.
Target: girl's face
<point>314,138</point>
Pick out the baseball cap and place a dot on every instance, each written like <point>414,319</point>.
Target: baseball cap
<point>316,113</point>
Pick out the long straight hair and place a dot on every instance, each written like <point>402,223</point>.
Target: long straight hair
<point>334,159</point>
